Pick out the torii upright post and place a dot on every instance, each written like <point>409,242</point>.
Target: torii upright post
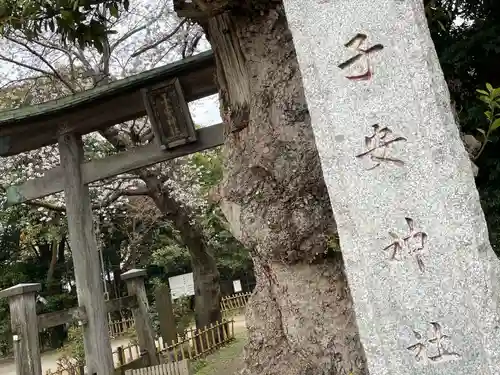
<point>97,344</point>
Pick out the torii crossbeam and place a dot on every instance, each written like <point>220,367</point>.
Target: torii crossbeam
<point>162,94</point>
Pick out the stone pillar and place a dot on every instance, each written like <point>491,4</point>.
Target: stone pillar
<point>145,334</point>
<point>165,314</point>
<point>24,323</point>
<point>423,275</point>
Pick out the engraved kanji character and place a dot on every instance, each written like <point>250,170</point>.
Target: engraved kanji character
<point>436,343</point>
<point>419,348</point>
<point>363,54</point>
<point>378,146</point>
<point>438,340</point>
<point>400,242</point>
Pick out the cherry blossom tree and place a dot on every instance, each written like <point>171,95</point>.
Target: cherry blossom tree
<point>43,69</point>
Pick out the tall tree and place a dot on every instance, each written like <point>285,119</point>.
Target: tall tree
<point>273,196</point>
<point>273,193</point>
<point>127,52</point>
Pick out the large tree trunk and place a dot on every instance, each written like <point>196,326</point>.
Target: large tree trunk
<point>53,282</point>
<point>300,318</point>
<point>205,272</point>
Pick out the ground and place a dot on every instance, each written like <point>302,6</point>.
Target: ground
<point>227,361</point>
<point>49,359</point>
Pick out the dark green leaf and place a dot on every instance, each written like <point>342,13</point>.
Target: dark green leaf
<point>495,124</point>
<point>485,99</point>
<point>113,10</point>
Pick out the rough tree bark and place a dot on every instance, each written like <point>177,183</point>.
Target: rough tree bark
<point>300,318</point>
<point>205,272</point>
<point>57,258</point>
<point>52,254</point>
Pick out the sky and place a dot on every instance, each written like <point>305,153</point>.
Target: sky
<point>206,111</point>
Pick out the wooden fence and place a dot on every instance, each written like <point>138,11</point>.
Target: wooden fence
<point>229,304</point>
<point>199,343</point>
<point>192,345</point>
<point>120,327</point>
<point>126,354</point>
<point>234,302</point>
<point>177,368</point>
<point>195,344</point>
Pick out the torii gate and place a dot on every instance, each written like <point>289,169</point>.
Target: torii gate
<point>162,94</point>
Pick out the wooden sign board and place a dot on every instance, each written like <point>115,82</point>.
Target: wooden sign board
<point>169,114</point>
<point>181,285</point>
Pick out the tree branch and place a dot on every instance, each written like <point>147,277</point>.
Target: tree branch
<point>81,56</point>
<point>50,45</point>
<point>18,82</point>
<point>48,206</point>
<point>39,70</point>
<point>160,41</point>
<point>110,199</point>
<point>132,32</point>
<point>113,197</point>
<point>55,73</point>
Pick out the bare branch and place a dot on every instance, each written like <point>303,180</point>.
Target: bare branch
<point>81,56</point>
<point>17,82</point>
<point>132,32</point>
<point>27,66</point>
<point>50,45</point>
<point>104,63</point>
<point>110,199</point>
<point>117,140</point>
<point>54,73</point>
<point>48,206</point>
<point>160,41</point>
<point>123,193</point>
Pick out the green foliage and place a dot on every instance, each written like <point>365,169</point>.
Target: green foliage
<point>491,97</point>
<point>232,258</point>
<point>172,256</point>
<point>27,246</point>
<point>469,53</point>
<point>333,243</point>
<point>198,365</point>
<point>5,330</point>
<point>183,314</point>
<point>74,349</point>
<point>84,22</point>
<point>208,166</point>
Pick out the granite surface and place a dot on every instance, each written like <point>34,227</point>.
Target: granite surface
<point>419,263</point>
